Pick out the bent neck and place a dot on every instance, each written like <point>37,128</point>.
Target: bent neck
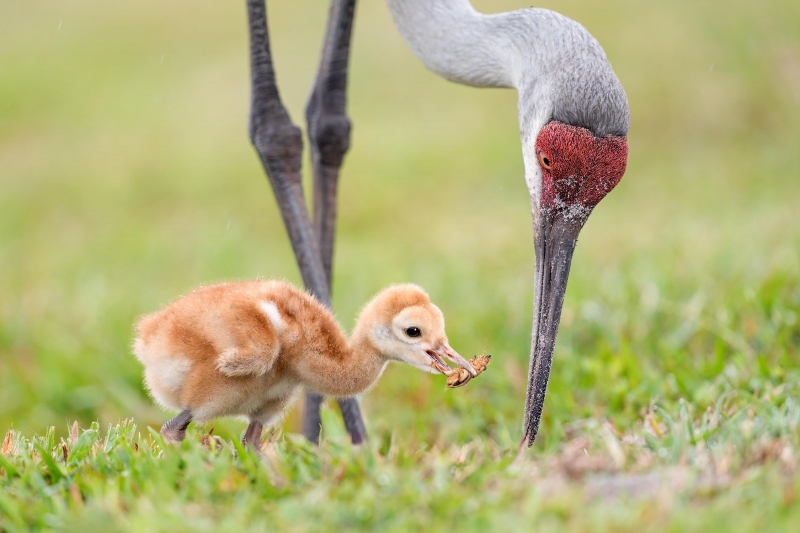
<point>455,41</point>
<point>513,49</point>
<point>560,71</point>
<point>353,369</point>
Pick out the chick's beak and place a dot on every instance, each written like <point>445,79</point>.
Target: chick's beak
<point>446,352</point>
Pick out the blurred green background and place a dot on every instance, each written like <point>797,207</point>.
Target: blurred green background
<point>127,178</point>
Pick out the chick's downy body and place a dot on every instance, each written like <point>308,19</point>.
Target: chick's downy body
<point>244,348</point>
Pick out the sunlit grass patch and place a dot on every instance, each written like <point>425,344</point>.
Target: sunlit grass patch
<point>667,463</point>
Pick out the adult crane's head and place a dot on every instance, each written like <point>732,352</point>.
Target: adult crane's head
<point>575,169</point>
<point>574,119</point>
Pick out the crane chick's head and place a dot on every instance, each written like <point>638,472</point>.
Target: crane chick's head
<point>578,168</point>
<point>403,325</point>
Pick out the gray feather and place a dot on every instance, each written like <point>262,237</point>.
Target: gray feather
<point>559,69</point>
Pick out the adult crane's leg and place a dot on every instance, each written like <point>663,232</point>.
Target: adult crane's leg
<point>279,143</point>
<point>328,124</point>
<point>329,136</point>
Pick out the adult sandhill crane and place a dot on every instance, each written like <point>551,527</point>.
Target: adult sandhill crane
<point>573,116</point>
<point>243,349</point>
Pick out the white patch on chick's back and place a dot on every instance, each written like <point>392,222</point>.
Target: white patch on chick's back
<point>271,310</point>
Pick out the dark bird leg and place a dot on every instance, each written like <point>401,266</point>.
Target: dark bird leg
<point>252,436</point>
<point>328,124</point>
<point>175,429</point>
<point>329,138</point>
<point>279,144</point>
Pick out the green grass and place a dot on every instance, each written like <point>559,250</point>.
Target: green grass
<point>127,179</point>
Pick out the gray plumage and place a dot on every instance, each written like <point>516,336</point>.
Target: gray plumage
<point>561,74</point>
<point>558,68</point>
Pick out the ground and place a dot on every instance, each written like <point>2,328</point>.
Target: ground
<point>128,179</point>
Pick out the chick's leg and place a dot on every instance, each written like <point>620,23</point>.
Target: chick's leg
<point>267,415</point>
<point>252,435</point>
<point>175,429</point>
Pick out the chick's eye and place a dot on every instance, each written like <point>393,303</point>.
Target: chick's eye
<point>545,160</point>
<point>413,332</point>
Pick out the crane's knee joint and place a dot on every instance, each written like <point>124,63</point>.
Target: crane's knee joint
<point>330,134</point>
<point>279,145</point>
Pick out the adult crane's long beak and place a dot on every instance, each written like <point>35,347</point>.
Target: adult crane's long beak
<point>555,238</point>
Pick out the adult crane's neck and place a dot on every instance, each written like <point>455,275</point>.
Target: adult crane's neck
<point>558,68</point>
<point>455,41</point>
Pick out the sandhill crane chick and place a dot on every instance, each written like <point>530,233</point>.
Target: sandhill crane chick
<point>244,348</point>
